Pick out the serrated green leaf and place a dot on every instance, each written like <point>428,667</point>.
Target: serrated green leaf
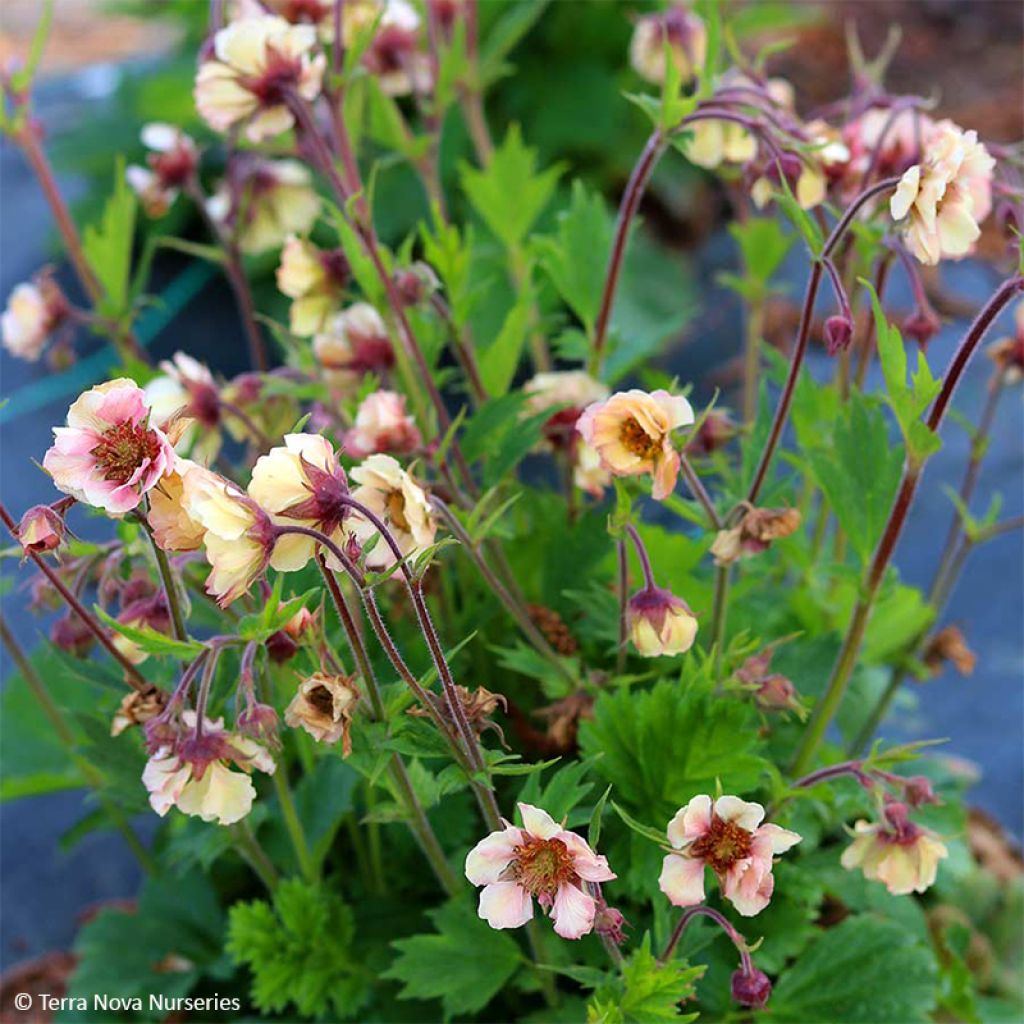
<point>108,246</point>
<point>149,639</point>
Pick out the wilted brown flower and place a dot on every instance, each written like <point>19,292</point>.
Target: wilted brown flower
<point>323,706</point>
<point>138,707</point>
<point>478,705</point>
<point>754,533</point>
<point>949,644</point>
<point>553,626</point>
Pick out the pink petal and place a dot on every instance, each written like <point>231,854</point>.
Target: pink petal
<point>573,912</point>
<point>748,885</point>
<point>505,905</point>
<point>682,880</point>
<point>538,823</point>
<point>746,815</point>
<point>690,821</point>
<point>781,839</point>
<point>486,861</point>
<point>590,866</point>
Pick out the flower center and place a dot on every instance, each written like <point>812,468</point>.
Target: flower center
<point>636,440</point>
<point>541,866</point>
<point>321,701</point>
<point>722,845</point>
<point>280,74</point>
<point>396,510</point>
<point>123,449</point>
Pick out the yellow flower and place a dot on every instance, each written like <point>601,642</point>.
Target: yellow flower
<point>313,278</point>
<point>632,433</point>
<point>685,35</point>
<point>716,142</point>
<point>660,623</point>
<point>896,852</point>
<point>258,62</point>
<point>392,495</point>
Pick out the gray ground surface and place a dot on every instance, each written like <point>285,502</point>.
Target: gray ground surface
<point>43,889</point>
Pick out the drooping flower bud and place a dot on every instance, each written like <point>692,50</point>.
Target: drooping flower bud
<point>41,529</point>
<point>416,283</point>
<point>918,791</point>
<point>610,922</point>
<point>72,635</point>
<point>751,988</point>
<point>660,623</point>
<point>677,30</point>
<point>838,334</point>
<point>715,430</point>
<point>259,722</point>
<point>281,647</point>
<point>922,325</point>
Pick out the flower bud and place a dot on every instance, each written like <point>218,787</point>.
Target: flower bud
<point>918,791</point>
<point>41,529</point>
<point>416,283</point>
<point>838,334</point>
<point>751,988</point>
<point>281,647</point>
<point>660,623</point>
<point>611,923</point>
<point>72,635</point>
<point>715,430</point>
<point>922,325</point>
<point>259,722</point>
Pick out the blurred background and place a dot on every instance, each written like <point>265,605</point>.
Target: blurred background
<point>109,67</point>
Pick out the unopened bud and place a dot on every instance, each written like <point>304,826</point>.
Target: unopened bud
<point>838,334</point>
<point>259,721</point>
<point>72,635</point>
<point>281,647</point>
<point>610,922</point>
<point>918,791</point>
<point>416,283</point>
<point>751,988</point>
<point>922,325</point>
<point>41,529</point>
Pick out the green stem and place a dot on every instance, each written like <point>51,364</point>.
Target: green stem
<point>254,855</point>
<point>719,611</point>
<point>171,592</point>
<point>307,865</point>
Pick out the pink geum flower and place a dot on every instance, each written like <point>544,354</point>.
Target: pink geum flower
<point>941,202</point>
<point>108,455</point>
<point>540,860</point>
<point>195,773</point>
<point>170,165</point>
<point>895,851</point>
<point>382,425</point>
<point>258,63</point>
<point>35,310</point>
<point>727,836</point>
<point>632,433</point>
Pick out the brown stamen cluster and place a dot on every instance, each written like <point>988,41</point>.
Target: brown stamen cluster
<point>541,866</point>
<point>635,439</point>
<point>555,631</point>
<point>722,845</point>
<point>124,448</point>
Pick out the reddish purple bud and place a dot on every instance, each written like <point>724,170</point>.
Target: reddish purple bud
<point>788,166</point>
<point>918,791</point>
<point>259,721</point>
<point>922,325</point>
<point>716,430</point>
<point>41,529</point>
<point>610,922</point>
<point>416,283</point>
<point>752,988</point>
<point>838,334</point>
<point>72,635</point>
<point>281,647</point>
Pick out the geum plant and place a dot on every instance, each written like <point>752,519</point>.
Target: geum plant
<point>381,667</point>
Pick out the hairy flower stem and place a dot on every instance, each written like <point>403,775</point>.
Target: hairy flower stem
<point>363,227</point>
<point>66,737</point>
<point>719,610</point>
<point>699,491</point>
<point>512,606</point>
<point>827,707</point>
<point>250,850</point>
<point>415,814</point>
<point>950,562</point>
<point>627,211</point>
<point>132,676</point>
<point>28,138</point>
<point>641,554</point>
<point>172,593</point>
<point>734,936</point>
<point>623,582</point>
<point>804,330</point>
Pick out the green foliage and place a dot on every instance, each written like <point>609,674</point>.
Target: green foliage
<point>300,950</point>
<point>498,361</point>
<point>164,946</point>
<point>665,745</point>
<point>108,246</point>
<point>859,472</point>
<point>511,193</point>
<point>464,963</point>
<point>644,992</point>
<point>866,969</point>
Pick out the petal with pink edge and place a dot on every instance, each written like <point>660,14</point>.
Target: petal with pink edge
<point>505,905</point>
<point>690,821</point>
<point>746,814</point>
<point>590,866</point>
<point>486,861</point>
<point>538,823</point>
<point>682,880</point>
<point>781,838</point>
<point>573,912</point>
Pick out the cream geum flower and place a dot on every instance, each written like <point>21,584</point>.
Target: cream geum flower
<point>677,30</point>
<point>728,836</point>
<point>710,143</point>
<point>171,163</point>
<point>108,455</point>
<point>392,495</point>
<point>314,280</point>
<point>632,433</point>
<point>355,341</point>
<point>566,393</point>
<point>258,63</point>
<point>541,860</point>
<point>195,774</point>
<point>272,200</point>
<point>382,425</point>
<point>238,535</point>
<point>941,202</point>
<point>302,484</point>
<point>902,855</point>
<point>173,527</point>
<point>323,705</point>
<point>660,623</point>
<point>35,309</point>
